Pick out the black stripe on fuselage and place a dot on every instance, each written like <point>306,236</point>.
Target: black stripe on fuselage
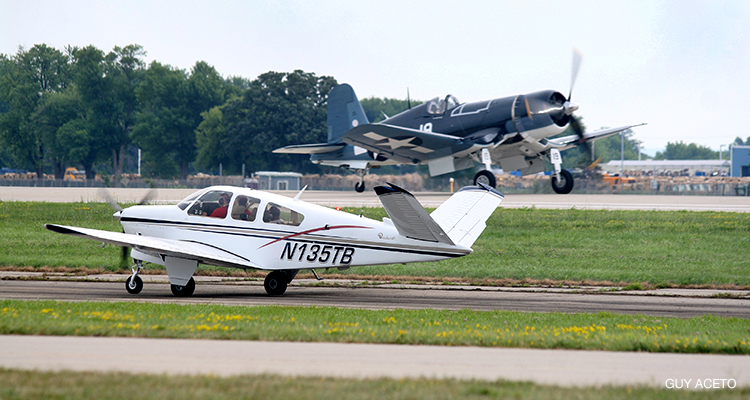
<point>274,234</point>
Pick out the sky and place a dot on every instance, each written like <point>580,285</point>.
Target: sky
<point>682,67</point>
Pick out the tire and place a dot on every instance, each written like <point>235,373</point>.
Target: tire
<point>184,291</point>
<point>566,182</point>
<point>359,187</point>
<point>276,283</point>
<point>485,177</point>
<point>137,285</point>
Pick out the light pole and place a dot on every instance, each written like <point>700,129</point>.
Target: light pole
<point>720,146</point>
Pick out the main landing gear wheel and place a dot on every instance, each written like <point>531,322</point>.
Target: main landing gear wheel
<point>359,187</point>
<point>565,185</point>
<point>276,283</point>
<point>184,291</point>
<point>486,178</point>
<point>134,285</point>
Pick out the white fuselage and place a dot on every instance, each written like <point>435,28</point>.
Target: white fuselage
<point>325,238</point>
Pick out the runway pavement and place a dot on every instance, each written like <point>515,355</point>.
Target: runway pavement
<point>212,290</point>
<point>428,199</point>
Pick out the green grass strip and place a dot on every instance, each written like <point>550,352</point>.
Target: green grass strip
<point>86,385</point>
<point>601,331</point>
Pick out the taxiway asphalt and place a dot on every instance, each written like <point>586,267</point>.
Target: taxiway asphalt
<point>210,290</point>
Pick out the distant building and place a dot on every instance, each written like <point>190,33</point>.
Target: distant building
<point>669,167</point>
<point>267,180</point>
<point>740,156</point>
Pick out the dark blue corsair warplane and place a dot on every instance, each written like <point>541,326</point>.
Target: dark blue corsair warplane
<point>450,135</point>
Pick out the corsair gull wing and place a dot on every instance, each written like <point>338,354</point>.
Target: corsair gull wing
<point>404,144</point>
<point>570,141</point>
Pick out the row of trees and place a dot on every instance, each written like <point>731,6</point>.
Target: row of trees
<point>88,109</point>
<point>81,107</point>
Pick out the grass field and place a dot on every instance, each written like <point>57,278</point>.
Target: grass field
<point>651,248</point>
<point>78,385</point>
<point>601,331</point>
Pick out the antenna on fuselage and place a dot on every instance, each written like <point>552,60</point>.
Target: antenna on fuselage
<point>300,193</point>
<point>408,99</point>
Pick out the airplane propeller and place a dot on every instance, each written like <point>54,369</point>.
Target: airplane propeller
<point>106,195</point>
<point>569,107</point>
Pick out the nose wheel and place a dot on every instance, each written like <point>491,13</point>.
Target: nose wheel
<point>134,283</point>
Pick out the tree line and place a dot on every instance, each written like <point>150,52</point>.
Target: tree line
<point>84,108</point>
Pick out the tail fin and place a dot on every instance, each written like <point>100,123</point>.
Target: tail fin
<point>344,112</point>
<point>408,216</point>
<point>463,216</point>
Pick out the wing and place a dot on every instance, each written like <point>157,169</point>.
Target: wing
<point>403,144</point>
<point>165,247</point>
<point>317,148</point>
<point>570,141</point>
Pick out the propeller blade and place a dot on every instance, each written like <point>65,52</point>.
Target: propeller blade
<point>577,58</point>
<point>150,195</point>
<point>104,194</point>
<point>124,257</point>
<point>575,124</point>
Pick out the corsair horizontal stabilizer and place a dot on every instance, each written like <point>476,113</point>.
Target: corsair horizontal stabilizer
<point>317,148</point>
<point>463,216</point>
<point>409,217</point>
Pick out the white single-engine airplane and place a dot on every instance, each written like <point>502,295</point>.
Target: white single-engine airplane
<point>250,229</point>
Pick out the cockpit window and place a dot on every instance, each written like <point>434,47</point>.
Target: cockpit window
<point>187,200</point>
<point>276,214</point>
<point>212,204</point>
<point>451,102</point>
<point>439,105</point>
<point>245,208</point>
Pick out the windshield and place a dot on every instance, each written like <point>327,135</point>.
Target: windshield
<point>441,104</point>
<point>187,200</point>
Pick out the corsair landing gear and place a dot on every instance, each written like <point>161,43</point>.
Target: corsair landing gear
<point>360,187</point>
<point>277,281</point>
<point>563,185</point>
<point>134,283</point>
<point>184,291</point>
<point>486,178</point>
